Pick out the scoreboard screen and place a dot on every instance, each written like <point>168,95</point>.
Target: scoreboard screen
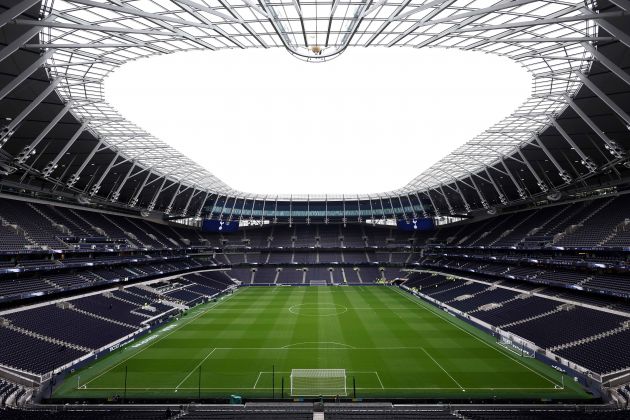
<point>219,226</point>
<point>423,224</point>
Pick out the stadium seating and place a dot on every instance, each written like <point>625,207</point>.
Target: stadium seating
<point>70,326</point>
<point>32,354</point>
<point>101,249</point>
<point>541,414</point>
<point>590,354</point>
<point>565,326</point>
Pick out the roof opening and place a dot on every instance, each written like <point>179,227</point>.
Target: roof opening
<point>368,121</point>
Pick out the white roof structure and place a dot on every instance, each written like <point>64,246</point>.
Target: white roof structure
<point>87,39</point>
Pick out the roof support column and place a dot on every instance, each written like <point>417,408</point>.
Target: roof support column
<point>484,202</point>
<point>561,171</point>
<point>290,210</point>
<point>607,62</point>
<point>380,199</point>
<point>251,213</point>
<point>19,42</point>
<point>448,203</point>
<point>601,95</point>
<point>203,203</point>
<point>169,207</point>
<point>371,208</point>
<point>611,146</point>
<point>262,213</point>
<point>413,210</point>
<point>229,218</point>
<point>16,11</point>
<point>134,200</point>
<point>52,165</point>
<point>402,208</point>
<point>15,82</point>
<point>391,205</point>
<point>185,210</point>
<point>153,201</point>
<point>543,187</point>
<point>586,161</point>
<point>422,209</point>
<point>502,197</point>
<point>275,210</point>
<point>462,196</point>
<point>240,216</point>
<point>75,177</point>
<point>7,131</point>
<point>97,186</point>
<point>29,150</point>
<point>116,194</point>
<point>435,208</point>
<point>216,200</point>
<point>521,192</point>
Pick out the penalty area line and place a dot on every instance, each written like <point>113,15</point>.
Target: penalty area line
<point>379,379</point>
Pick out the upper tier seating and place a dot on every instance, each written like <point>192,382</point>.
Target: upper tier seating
<point>31,284</point>
<point>11,239</point>
<point>36,227</point>
<point>599,227</point>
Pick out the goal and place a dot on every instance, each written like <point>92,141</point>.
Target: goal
<point>318,283</point>
<point>515,346</point>
<point>316,382</point>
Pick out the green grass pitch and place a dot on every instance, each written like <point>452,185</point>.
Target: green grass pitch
<point>393,345</point>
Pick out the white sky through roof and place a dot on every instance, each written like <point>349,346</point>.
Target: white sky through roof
<point>368,121</point>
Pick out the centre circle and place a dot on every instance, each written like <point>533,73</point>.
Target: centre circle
<point>318,309</point>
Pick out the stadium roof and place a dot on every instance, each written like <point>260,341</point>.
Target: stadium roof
<point>82,41</point>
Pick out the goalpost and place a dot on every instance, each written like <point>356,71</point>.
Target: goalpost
<point>316,382</point>
<point>515,346</point>
<point>318,283</point>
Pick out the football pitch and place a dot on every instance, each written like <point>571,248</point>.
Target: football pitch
<point>391,345</point>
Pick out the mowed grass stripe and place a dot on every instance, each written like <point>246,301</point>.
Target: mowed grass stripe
<point>494,347</point>
<point>397,353</point>
<point>202,311</point>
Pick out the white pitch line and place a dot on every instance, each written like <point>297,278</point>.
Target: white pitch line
<point>440,366</point>
<point>345,346</point>
<point>319,348</point>
<point>257,379</point>
<point>404,294</point>
<point>195,368</point>
<point>401,388</point>
<point>379,380</point>
<point>152,343</point>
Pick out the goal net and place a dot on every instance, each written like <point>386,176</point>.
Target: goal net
<point>316,382</point>
<point>515,347</point>
<point>318,283</point>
